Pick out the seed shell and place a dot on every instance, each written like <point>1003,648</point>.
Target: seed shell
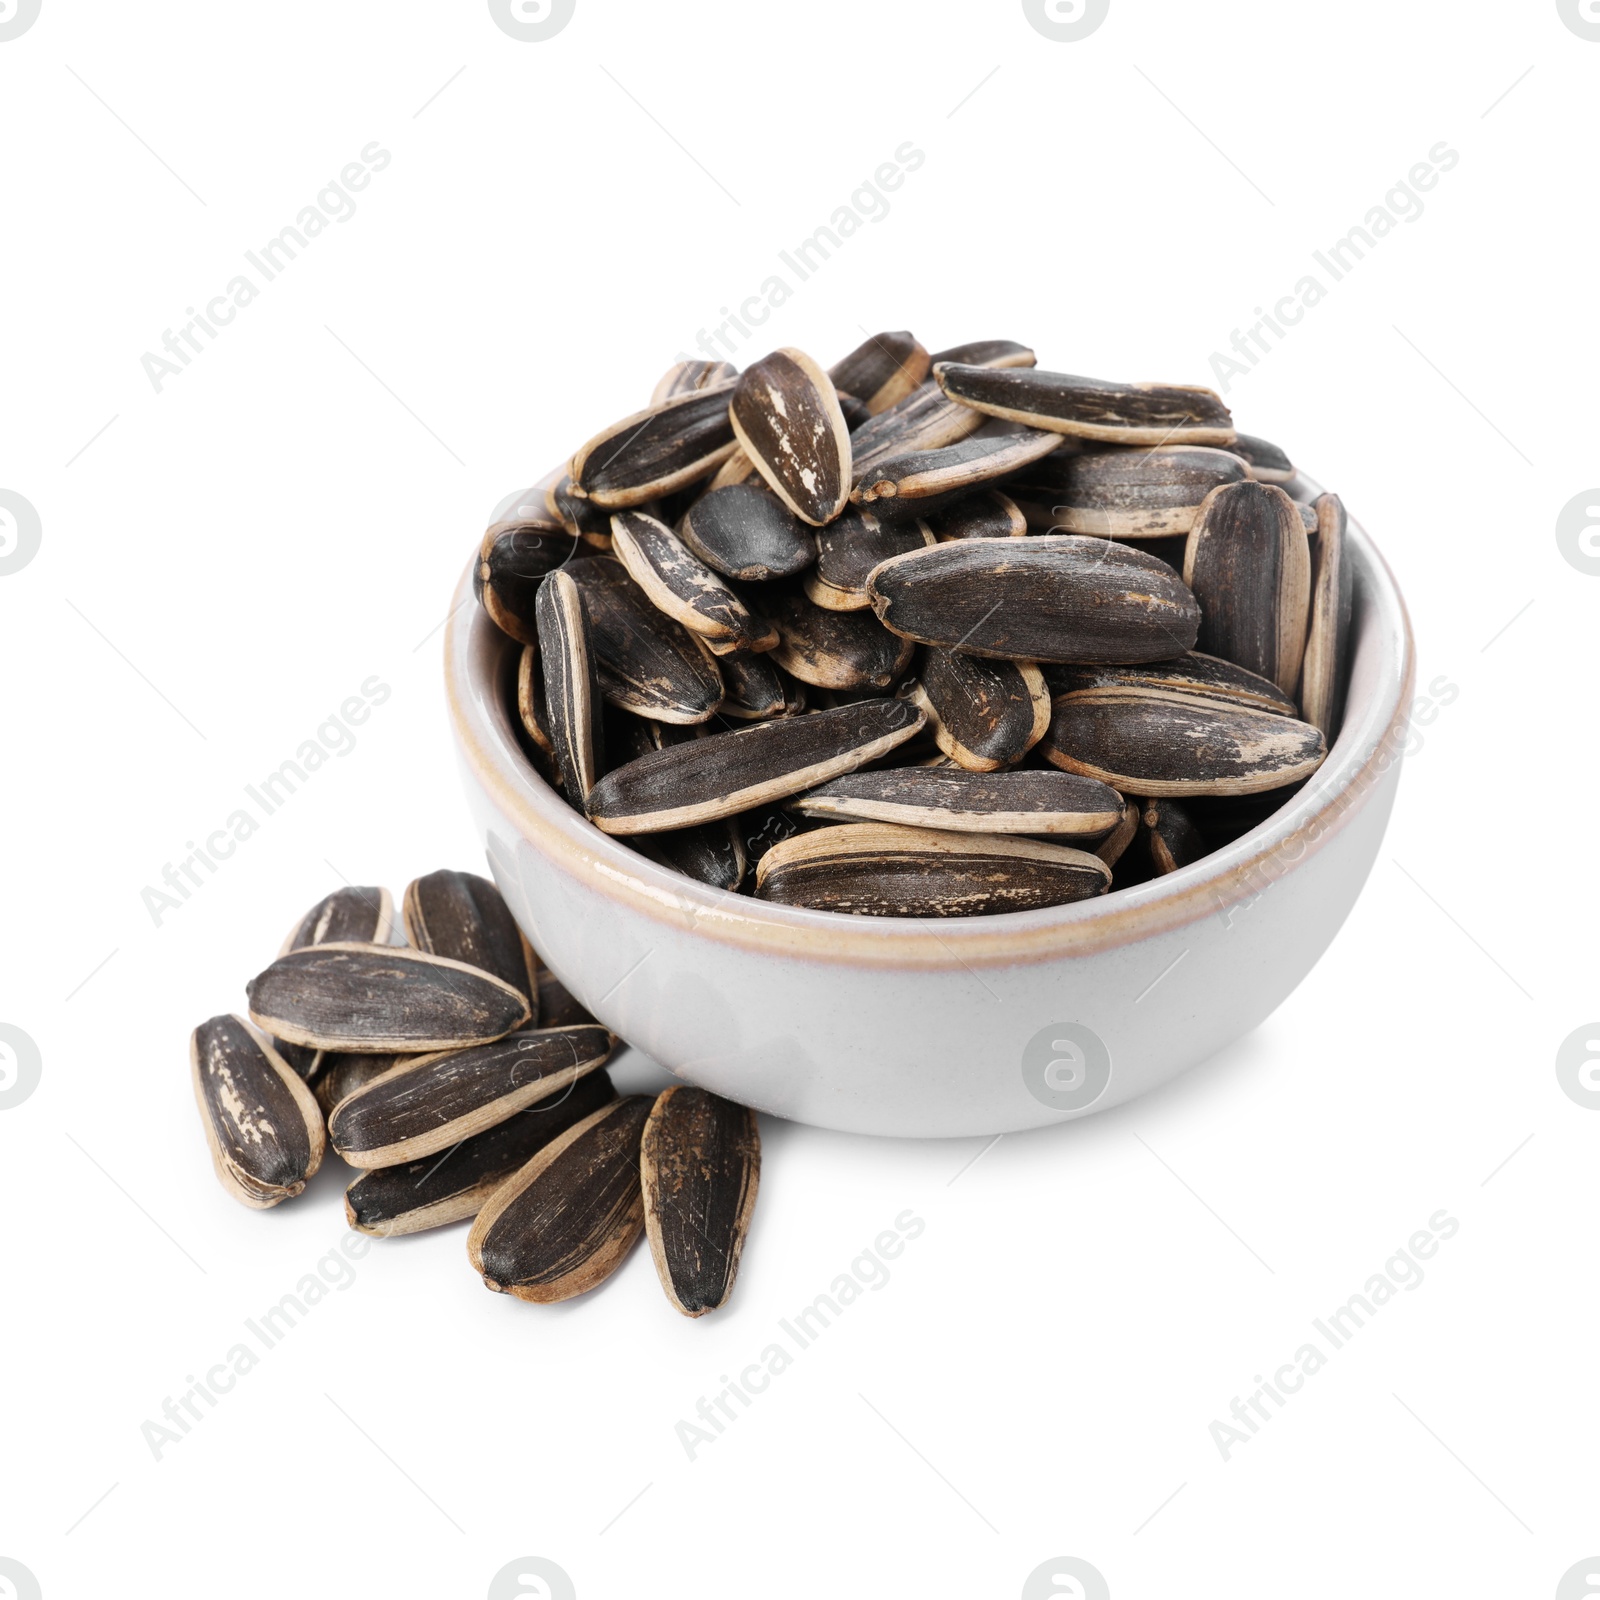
<point>1111,848</point>
<point>558,1008</point>
<point>533,716</point>
<point>970,802</point>
<point>434,1191</point>
<point>787,420</point>
<point>1249,566</point>
<point>1174,839</point>
<point>1057,597</point>
<point>882,371</point>
<point>1152,743</point>
<point>954,469</point>
<point>345,1071</point>
<point>1090,408</point>
<point>849,548</point>
<point>984,714</point>
<point>727,773</point>
<point>432,1101</point>
<point>564,1221</point>
<point>352,915</point>
<point>262,1124</point>
<point>463,917</point>
<point>1268,463</point>
<point>682,586</point>
<point>1322,674</point>
<point>835,649</point>
<point>745,531</point>
<point>986,353</point>
<point>755,689</point>
<point>689,377</point>
<point>373,998</point>
<point>700,1164</point>
<point>880,870</point>
<point>1209,677</point>
<point>512,562</point>
<point>654,451</point>
<point>572,685</point>
<point>924,420</point>
<point>988,514</point>
<point>1143,494</point>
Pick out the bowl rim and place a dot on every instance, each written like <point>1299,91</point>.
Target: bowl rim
<point>1368,745</point>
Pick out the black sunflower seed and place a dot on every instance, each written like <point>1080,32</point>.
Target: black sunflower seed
<point>1057,597</point>
<point>564,1221</point>
<point>700,1164</point>
<point>835,649</point>
<point>755,689</point>
<point>345,1071</point>
<point>464,918</point>
<point>970,802</point>
<point>689,377</point>
<point>986,353</point>
<point>711,853</point>
<point>1322,673</point>
<point>1111,848</point>
<point>533,716</point>
<point>352,915</point>
<point>984,714</point>
<point>727,773</point>
<point>583,521</point>
<point>954,469</point>
<point>557,1006</point>
<point>656,450</point>
<point>1142,494</point>
<point>880,870</point>
<point>1174,839</point>
<point>1267,462</point>
<point>925,420</point>
<point>512,563</point>
<point>1089,408</point>
<point>882,371</point>
<point>988,514</point>
<point>1194,674</point>
<point>745,531</point>
<point>788,421</point>
<point>849,548</point>
<point>572,685</point>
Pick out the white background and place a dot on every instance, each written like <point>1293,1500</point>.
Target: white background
<point>224,562</point>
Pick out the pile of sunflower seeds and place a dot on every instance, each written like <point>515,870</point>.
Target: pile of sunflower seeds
<point>463,1082</point>
<point>922,635</point>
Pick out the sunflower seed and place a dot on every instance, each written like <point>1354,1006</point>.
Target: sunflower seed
<point>345,1071</point>
<point>432,1101</point>
<point>883,371</point>
<point>1224,818</point>
<point>1142,494</point>
<point>350,915</point>
<point>835,649</point>
<point>878,870</point>
<point>1193,674</point>
<point>512,563</point>
<point>1174,839</point>
<point>755,689</point>
<point>710,853</point>
<point>533,715</point>
<point>787,420</point>
<point>1111,848</point>
<point>745,531</point>
<point>726,773</point>
<point>849,548</point>
<point>657,450</point>
<point>970,802</point>
<point>1249,567</point>
<point>572,685</point>
<point>988,514</point>
<point>700,1163</point>
<point>262,1123</point>
<point>1058,597</point>
<point>955,468</point>
<point>564,1222</point>
<point>373,998</point>
<point>986,353</point>
<point>984,714</point>
<point>924,420</point>
<point>689,377</point>
<point>463,917</point>
<point>629,736</point>
<point>581,520</point>
<point>452,1187</point>
<point>1155,743</point>
<point>853,411</point>
<point>1120,413</point>
<point>1322,674</point>
<point>557,1006</point>
<point>645,661</point>
<point>1267,462</point>
<point>682,586</point>
<point>738,468</point>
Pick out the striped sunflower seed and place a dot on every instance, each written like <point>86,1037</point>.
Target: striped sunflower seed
<point>986,353</point>
<point>1249,566</point>
<point>654,451</point>
<point>925,420</point>
<point>345,1071</point>
<point>724,774</point>
<point>584,522</point>
<point>882,371</point>
<point>512,563</point>
<point>1208,677</point>
<point>1111,848</point>
<point>690,377</point>
<point>988,514</point>
<point>1323,671</point>
<point>1089,408</point>
<point>645,661</point>
<point>262,1123</point>
<point>956,468</point>
<point>1266,461</point>
<point>1142,494</point>
<point>683,587</point>
<point>572,685</point>
<point>958,801</point>
<point>437,1190</point>
<point>984,714</point>
<point>711,853</point>
<point>463,917</point>
<point>352,915</point>
<point>849,548</point>
<point>755,689</point>
<point>533,716</point>
<point>558,1008</point>
<point>787,420</point>
<point>875,869</point>
<point>1057,597</point>
<point>745,531</point>
<point>432,1101</point>
<point>565,1220</point>
<point>853,411</point>
<point>1174,839</point>
<point>374,998</point>
<point>700,1165</point>
<point>1153,743</point>
<point>835,649</point>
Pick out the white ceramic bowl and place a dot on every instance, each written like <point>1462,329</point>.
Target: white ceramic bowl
<point>926,1027</point>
